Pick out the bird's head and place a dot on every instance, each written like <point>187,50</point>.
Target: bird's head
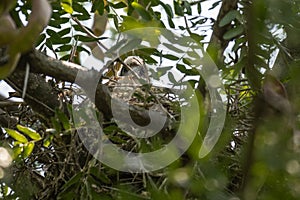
<point>136,64</point>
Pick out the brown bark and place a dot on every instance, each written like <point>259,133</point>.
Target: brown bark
<point>217,44</point>
<point>44,100</point>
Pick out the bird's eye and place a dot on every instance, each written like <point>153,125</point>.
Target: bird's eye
<point>124,71</point>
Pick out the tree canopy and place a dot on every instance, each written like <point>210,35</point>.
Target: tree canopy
<point>216,116</point>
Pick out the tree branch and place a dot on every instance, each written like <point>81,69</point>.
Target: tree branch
<point>40,90</point>
<point>217,44</point>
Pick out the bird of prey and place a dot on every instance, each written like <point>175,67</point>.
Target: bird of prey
<point>131,76</point>
<point>134,66</point>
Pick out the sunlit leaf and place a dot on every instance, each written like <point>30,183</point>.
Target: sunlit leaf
<point>47,141</point>
<point>29,132</point>
<point>67,6</point>
<point>16,135</point>
<point>27,149</point>
<point>17,150</point>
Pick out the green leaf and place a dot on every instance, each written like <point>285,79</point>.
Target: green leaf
<point>181,68</point>
<point>119,5</point>
<point>187,61</point>
<point>27,150</point>
<point>64,32</point>
<point>187,7</point>
<point>16,135</point>
<point>163,70</point>
<point>171,78</point>
<point>192,72</point>
<point>197,37</point>
<point>82,17</point>
<point>83,38</point>
<point>63,48</point>
<point>67,6</point>
<point>29,132</point>
<point>171,23</point>
<point>51,32</point>
<point>99,175</point>
<point>173,48</point>
<point>178,8</point>
<point>116,22</point>
<point>80,49</point>
<point>142,11</point>
<point>168,9</point>
<point>229,17</point>
<point>110,129</point>
<point>17,150</point>
<point>239,66</point>
<point>170,57</point>
<point>48,140</point>
<point>236,31</point>
<point>41,39</point>
<point>98,5</point>
<point>199,8</point>
<point>132,44</point>
<point>75,179</point>
<point>80,9</point>
<point>64,120</point>
<point>215,5</point>
<point>58,22</point>
<point>238,42</point>
<point>55,124</point>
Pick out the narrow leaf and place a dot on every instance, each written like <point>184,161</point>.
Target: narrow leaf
<point>142,11</point>
<point>171,78</point>
<point>64,120</point>
<point>16,135</point>
<point>178,8</point>
<point>27,150</point>
<point>72,181</point>
<point>67,6</point>
<point>29,132</point>
<point>229,17</point>
<point>233,32</point>
<point>168,9</point>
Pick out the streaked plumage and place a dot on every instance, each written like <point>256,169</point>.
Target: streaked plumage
<point>130,77</point>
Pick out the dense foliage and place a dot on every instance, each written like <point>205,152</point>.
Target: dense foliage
<point>257,154</point>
